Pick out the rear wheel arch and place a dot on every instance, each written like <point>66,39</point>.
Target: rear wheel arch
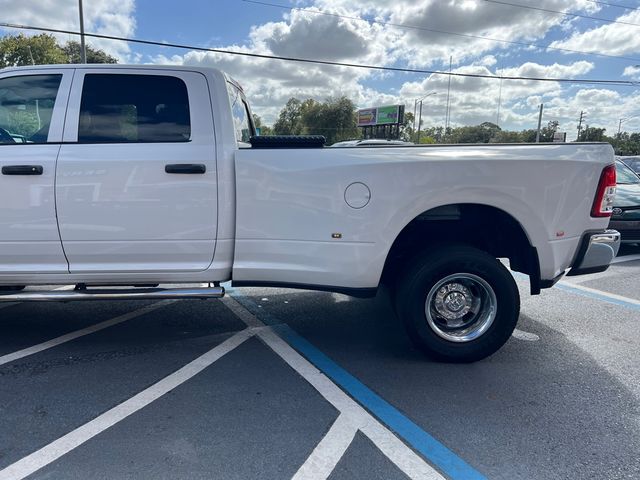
<point>484,227</point>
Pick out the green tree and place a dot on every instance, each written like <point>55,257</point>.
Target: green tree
<point>335,119</point>
<point>406,128</point>
<point>19,50</point>
<point>482,133</point>
<point>434,134</point>
<point>264,129</point>
<point>592,134</point>
<point>625,143</point>
<point>506,136</point>
<point>311,121</point>
<point>72,51</point>
<point>547,133</point>
<point>288,122</point>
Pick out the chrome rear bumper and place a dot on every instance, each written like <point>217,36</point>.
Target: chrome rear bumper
<point>596,252</point>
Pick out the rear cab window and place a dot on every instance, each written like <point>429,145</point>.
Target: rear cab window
<point>242,124</point>
<point>133,108</point>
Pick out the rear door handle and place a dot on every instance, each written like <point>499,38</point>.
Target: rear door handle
<point>197,168</point>
<point>22,170</point>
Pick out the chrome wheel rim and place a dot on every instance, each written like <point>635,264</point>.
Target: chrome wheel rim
<point>461,307</point>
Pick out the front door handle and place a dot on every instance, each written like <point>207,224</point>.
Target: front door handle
<point>197,168</point>
<point>22,170</point>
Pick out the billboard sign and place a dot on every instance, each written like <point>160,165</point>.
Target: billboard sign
<point>366,117</point>
<point>559,137</point>
<point>388,115</point>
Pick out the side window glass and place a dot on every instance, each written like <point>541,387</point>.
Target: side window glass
<point>124,108</point>
<point>240,113</point>
<point>26,107</point>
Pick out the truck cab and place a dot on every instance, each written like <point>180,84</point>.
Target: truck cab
<point>106,154</point>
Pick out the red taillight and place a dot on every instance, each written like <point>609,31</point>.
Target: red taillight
<point>603,203</point>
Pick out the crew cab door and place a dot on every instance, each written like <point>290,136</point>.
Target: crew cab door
<point>32,108</point>
<point>136,184</point>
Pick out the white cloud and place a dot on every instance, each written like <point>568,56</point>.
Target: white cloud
<point>328,37</point>
<point>610,39</point>
<point>269,83</point>
<point>487,61</point>
<point>476,100</point>
<point>419,28</point>
<point>111,17</point>
<point>632,71</point>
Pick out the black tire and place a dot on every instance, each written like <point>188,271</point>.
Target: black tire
<point>424,272</point>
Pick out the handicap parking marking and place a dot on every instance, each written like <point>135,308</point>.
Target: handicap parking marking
<point>72,440</point>
<point>25,352</point>
<point>390,430</point>
<point>402,456</point>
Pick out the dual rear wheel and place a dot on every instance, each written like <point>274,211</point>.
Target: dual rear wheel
<point>458,303</point>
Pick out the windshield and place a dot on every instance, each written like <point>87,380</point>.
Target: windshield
<point>625,175</point>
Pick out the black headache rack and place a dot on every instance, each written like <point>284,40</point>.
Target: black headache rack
<point>287,141</point>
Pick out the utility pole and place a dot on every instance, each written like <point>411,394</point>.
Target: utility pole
<point>83,47</point>
<point>499,102</point>
<point>447,115</point>
<point>539,123</point>
<point>418,117</point>
<point>419,122</point>
<point>582,114</point>
<point>415,108</point>
<point>622,120</point>
<point>619,127</point>
<point>33,62</point>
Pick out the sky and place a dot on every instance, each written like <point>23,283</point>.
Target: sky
<point>488,37</point>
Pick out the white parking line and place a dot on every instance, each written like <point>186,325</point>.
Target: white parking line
<point>400,454</point>
<point>600,294</point>
<point>526,336</point>
<point>56,449</point>
<point>329,451</point>
<point>10,357</point>
<point>626,258</point>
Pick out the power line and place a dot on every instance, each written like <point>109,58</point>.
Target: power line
<point>445,32</point>
<point>617,5</point>
<point>584,81</point>
<point>558,12</point>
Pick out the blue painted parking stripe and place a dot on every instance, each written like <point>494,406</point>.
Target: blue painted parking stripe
<point>435,452</point>
<point>431,449</point>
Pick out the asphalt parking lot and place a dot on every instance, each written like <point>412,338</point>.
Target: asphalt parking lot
<point>275,384</point>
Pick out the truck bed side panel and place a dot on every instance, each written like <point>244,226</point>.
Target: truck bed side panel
<point>294,225</point>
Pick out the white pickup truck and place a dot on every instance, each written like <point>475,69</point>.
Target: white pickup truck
<point>121,178</point>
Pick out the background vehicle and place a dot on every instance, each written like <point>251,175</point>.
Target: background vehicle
<point>371,142</point>
<point>633,162</point>
<point>138,175</point>
<point>626,207</point>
